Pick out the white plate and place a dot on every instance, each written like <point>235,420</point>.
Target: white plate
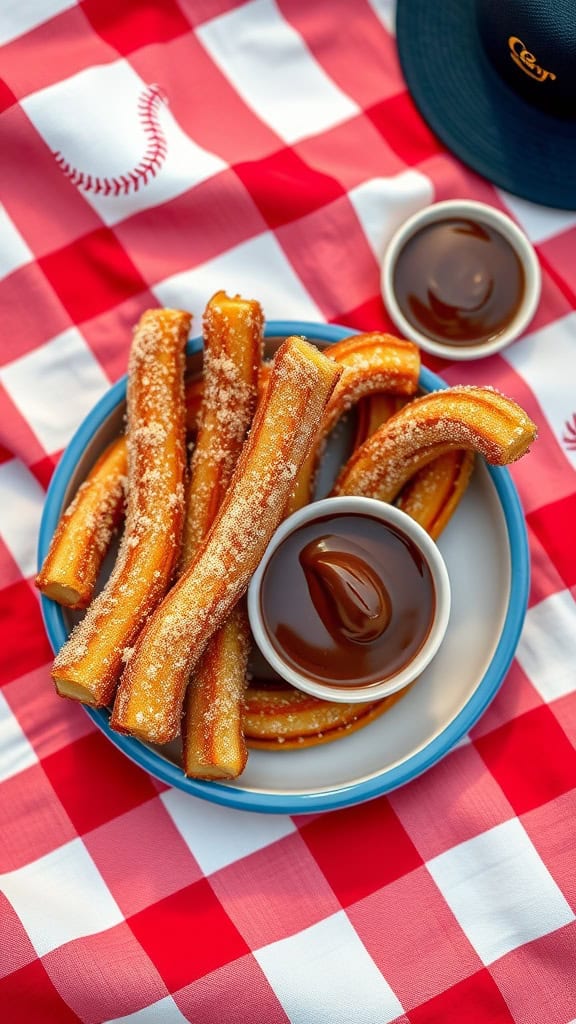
<point>486,551</point>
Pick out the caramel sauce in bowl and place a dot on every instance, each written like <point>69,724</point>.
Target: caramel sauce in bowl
<point>460,279</point>
<point>351,600</point>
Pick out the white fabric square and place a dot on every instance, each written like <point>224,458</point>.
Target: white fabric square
<point>17,17</point>
<point>538,222</point>
<point>55,386</point>
<point>21,501</point>
<point>218,836</point>
<point>164,1011</point>
<point>500,891</point>
<point>385,10</point>
<point>318,975</point>
<point>118,141</point>
<point>61,897</point>
<point>383,204</point>
<point>547,648</point>
<point>14,252</point>
<point>16,753</point>
<point>271,67</point>
<point>257,269</point>
<point>536,358</point>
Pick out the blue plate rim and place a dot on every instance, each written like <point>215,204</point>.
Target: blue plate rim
<point>341,796</point>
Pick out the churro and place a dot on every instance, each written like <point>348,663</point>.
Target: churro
<point>149,699</point>
<point>283,718</point>
<point>477,418</point>
<point>88,666</point>
<point>70,570</point>
<point>372,363</point>
<point>213,743</point>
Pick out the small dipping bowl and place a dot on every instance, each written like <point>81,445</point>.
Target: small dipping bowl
<point>351,600</point>
<point>460,279</point>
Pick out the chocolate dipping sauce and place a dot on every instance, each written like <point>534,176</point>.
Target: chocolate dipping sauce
<point>459,282</point>
<point>347,599</point>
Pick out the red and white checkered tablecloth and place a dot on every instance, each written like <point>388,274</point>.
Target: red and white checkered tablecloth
<point>153,151</point>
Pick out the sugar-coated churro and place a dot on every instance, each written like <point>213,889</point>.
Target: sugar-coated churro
<point>477,418</point>
<point>70,570</point>
<point>88,666</point>
<point>213,743</point>
<point>372,363</point>
<point>149,699</point>
<point>283,718</point>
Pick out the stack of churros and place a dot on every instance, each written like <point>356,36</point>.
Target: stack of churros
<point>166,644</point>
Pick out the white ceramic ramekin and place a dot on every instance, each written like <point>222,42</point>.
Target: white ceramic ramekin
<point>401,522</point>
<point>484,214</point>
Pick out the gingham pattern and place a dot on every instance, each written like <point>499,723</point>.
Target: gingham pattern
<point>281,154</point>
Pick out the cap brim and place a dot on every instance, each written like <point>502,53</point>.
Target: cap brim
<point>474,113</point>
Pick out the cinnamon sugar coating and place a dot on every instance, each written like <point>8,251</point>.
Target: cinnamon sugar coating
<point>84,533</point>
<point>476,418</point>
<point>212,739</point>
<point>89,665</point>
<point>149,699</point>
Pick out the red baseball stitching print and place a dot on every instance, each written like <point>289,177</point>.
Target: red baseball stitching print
<point>149,165</point>
<point>569,435</point>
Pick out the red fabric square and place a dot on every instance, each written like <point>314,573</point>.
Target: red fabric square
<point>362,41</point>
<point>43,469</point>
<point>33,820</point>
<point>7,97</point>
<point>216,215</point>
<point>57,49</point>
<point>104,976</point>
<point>28,996</point>
<point>26,166</point>
<point>135,23</point>
<point>554,524</point>
<point>163,864</point>
<point>93,764</point>
<point>556,255</point>
<point>450,785</point>
<point>352,152</point>
<point>405,131</point>
<point>15,432</point>
<point>48,721</point>
<point>22,635</point>
<point>285,188</point>
<point>537,980</point>
<point>27,325</point>
<point>292,891</point>
<point>476,1000</point>
<point>531,759</point>
<point>202,936</point>
<point>360,849</point>
<point>92,274</point>
<point>17,950</point>
<point>368,316</point>
<point>410,919</point>
<point>249,997</point>
<point>315,241</point>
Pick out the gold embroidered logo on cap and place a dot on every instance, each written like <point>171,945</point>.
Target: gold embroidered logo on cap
<point>526,61</point>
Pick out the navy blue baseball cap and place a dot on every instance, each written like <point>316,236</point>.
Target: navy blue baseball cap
<point>496,82</point>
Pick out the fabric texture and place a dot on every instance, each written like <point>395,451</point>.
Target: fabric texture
<point>152,153</point>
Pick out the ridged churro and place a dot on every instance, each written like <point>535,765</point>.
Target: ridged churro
<point>88,666</point>
<point>213,743</point>
<point>477,418</point>
<point>70,570</point>
<point>149,699</point>
<point>283,718</point>
<point>372,363</point>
